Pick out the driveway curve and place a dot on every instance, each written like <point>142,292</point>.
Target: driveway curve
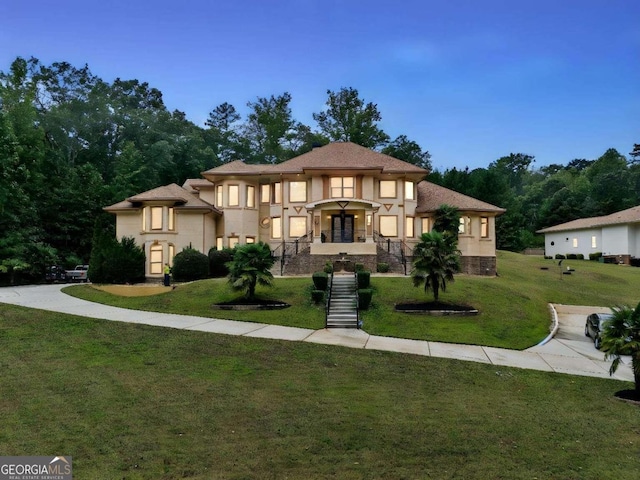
<point>568,352</point>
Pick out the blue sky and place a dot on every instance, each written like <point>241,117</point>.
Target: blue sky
<point>470,81</point>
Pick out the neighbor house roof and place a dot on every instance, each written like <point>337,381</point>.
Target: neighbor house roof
<point>432,196</point>
<point>630,215</point>
<point>334,156</point>
<point>172,193</point>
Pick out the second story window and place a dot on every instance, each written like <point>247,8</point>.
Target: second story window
<point>251,196</point>
<point>156,218</point>
<point>277,193</point>
<point>388,189</point>
<point>234,195</point>
<point>342,187</point>
<point>265,193</point>
<point>219,196</point>
<point>297,192</point>
<point>409,191</point>
<point>172,219</point>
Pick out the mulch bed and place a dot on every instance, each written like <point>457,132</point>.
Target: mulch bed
<point>256,304</point>
<point>436,308</point>
<point>629,396</point>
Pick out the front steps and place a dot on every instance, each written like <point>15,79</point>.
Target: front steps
<point>342,311</point>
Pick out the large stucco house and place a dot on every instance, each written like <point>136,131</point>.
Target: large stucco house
<point>616,236</point>
<point>341,203</point>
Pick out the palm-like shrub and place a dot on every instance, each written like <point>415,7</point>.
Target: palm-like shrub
<point>621,336</point>
<point>435,260</point>
<point>250,267</point>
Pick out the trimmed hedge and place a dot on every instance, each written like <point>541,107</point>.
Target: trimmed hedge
<point>317,296</point>
<point>189,265</point>
<point>363,278</point>
<point>320,280</point>
<point>383,267</point>
<point>364,298</point>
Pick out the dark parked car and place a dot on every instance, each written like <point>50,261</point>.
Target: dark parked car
<point>594,325</point>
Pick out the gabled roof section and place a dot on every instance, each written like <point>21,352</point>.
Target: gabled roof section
<point>347,155</point>
<point>630,215</point>
<point>432,196</point>
<point>173,194</point>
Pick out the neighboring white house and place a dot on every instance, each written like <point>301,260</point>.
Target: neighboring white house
<point>616,236</point>
<point>340,202</point>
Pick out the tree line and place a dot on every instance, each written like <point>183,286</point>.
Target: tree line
<point>72,143</point>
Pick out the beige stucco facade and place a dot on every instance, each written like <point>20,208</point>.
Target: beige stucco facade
<point>340,199</point>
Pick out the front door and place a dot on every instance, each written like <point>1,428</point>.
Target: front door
<point>342,228</point>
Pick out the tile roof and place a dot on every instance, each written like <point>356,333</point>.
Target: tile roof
<point>168,193</point>
<point>630,215</point>
<point>338,155</point>
<point>432,196</point>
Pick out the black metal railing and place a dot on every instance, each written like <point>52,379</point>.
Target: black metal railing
<point>288,249</point>
<point>344,236</point>
<point>358,323</point>
<point>328,304</point>
<point>396,247</point>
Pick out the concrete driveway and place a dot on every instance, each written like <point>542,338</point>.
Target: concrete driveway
<point>568,352</point>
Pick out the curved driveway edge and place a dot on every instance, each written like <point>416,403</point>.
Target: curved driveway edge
<point>568,351</point>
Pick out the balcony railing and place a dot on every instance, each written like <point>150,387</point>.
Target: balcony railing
<point>344,236</point>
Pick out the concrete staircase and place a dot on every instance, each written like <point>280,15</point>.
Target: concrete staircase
<point>342,311</point>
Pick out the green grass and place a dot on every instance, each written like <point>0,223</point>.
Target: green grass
<point>139,402</point>
<point>513,306</point>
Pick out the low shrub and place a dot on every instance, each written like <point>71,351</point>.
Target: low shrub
<point>364,298</point>
<point>572,256</point>
<point>328,267</point>
<point>317,296</point>
<point>559,256</point>
<point>363,278</point>
<point>189,265</point>
<point>595,256</point>
<point>320,280</point>
<point>382,267</point>
<point>580,256</point>
<point>359,267</point>
<point>548,257</point>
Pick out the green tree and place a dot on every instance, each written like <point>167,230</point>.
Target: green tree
<point>348,119</point>
<point>435,261</point>
<point>270,128</point>
<point>621,336</point>
<point>250,267</point>
<point>222,133</point>
<point>409,151</point>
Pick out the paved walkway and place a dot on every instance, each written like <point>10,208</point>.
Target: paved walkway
<point>566,351</point>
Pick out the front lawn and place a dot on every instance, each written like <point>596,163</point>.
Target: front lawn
<point>132,401</point>
<point>513,306</point>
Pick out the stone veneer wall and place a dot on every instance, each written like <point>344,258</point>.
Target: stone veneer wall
<point>479,265</point>
<point>307,264</point>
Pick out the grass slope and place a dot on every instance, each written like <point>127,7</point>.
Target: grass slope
<point>513,306</point>
<point>138,402</point>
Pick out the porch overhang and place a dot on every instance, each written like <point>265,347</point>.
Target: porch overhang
<point>342,203</point>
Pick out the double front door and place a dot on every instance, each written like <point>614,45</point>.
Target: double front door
<point>342,228</point>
